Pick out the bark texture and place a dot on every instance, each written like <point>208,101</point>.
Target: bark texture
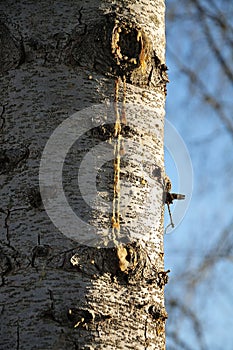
<point>82,290</point>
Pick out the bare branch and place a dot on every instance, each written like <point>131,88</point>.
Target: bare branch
<point>207,97</point>
<point>210,40</point>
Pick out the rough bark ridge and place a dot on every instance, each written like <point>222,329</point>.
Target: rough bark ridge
<point>57,58</point>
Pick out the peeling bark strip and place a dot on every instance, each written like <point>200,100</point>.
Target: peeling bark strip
<point>69,56</point>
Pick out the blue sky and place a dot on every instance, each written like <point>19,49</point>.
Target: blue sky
<point>210,210</point>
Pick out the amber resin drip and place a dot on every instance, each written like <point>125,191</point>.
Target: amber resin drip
<point>120,116</point>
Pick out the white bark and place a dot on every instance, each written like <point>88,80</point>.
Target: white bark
<point>57,59</point>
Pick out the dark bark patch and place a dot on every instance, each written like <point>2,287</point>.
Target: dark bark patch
<point>12,52</point>
<point>162,278</point>
<point>157,312</point>
<point>11,158</point>
<point>80,316</point>
<point>40,251</point>
<point>94,261</point>
<point>34,198</point>
<point>126,262</point>
<point>83,317</point>
<point>5,265</point>
<point>107,131</point>
<point>159,315</point>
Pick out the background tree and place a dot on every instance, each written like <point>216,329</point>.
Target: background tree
<point>82,289</point>
<point>199,253</point>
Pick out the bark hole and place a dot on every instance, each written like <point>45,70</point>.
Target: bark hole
<point>129,47</point>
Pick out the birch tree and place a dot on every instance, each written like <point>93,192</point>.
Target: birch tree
<point>83,86</point>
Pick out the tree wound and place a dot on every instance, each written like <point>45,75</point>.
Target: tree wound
<point>130,48</point>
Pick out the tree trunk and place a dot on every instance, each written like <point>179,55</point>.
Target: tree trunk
<point>82,174</point>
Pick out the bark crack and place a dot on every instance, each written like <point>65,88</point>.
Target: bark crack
<point>8,213</point>
<point>18,336</point>
<point>7,257</point>
<point>145,335</point>
<point>2,118</point>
